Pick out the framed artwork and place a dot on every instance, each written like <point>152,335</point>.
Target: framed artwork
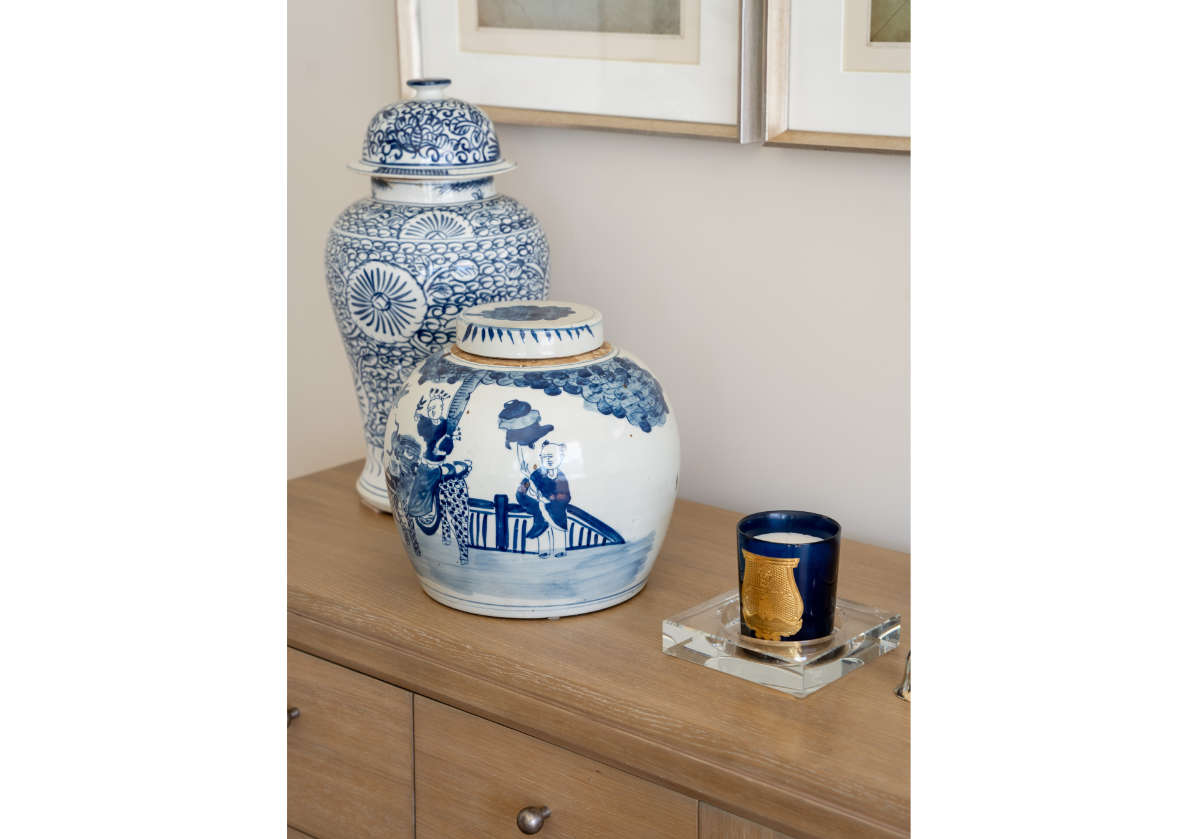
<point>688,67</point>
<point>837,74</point>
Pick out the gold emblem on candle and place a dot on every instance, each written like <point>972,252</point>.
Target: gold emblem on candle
<point>771,603</point>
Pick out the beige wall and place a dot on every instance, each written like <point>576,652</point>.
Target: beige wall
<point>341,68</point>
<point>767,288</point>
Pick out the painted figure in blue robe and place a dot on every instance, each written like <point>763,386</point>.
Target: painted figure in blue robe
<point>434,427</point>
<point>439,430</point>
<point>429,495</point>
<point>410,486</point>
<point>545,494</point>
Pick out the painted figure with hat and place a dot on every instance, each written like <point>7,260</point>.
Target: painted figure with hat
<point>544,492</point>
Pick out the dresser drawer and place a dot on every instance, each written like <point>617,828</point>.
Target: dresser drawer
<point>349,753</point>
<point>473,777</point>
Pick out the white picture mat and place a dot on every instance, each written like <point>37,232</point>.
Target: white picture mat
<point>860,53</point>
<point>821,96</point>
<point>705,92</point>
<point>683,48</point>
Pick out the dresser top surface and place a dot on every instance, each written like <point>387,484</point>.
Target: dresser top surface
<point>835,763</point>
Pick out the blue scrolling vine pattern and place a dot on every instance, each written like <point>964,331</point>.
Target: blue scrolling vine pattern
<point>441,131</point>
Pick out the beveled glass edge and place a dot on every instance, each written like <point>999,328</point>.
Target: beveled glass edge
<point>851,652</point>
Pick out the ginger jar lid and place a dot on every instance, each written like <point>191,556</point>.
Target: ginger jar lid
<point>431,138</point>
<point>529,329</point>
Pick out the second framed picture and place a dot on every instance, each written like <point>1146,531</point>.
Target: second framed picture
<point>688,67</point>
<point>837,74</point>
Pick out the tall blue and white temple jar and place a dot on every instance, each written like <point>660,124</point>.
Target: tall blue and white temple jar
<point>433,239</point>
<point>532,466</point>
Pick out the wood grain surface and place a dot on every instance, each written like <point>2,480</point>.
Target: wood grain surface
<point>349,753</point>
<point>833,764</point>
<point>717,824</point>
<point>473,776</point>
<point>842,142</point>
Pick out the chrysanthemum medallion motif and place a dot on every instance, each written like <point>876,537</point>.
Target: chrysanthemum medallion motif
<point>385,301</point>
<point>436,224</point>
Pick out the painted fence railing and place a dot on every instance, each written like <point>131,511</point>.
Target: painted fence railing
<point>501,525</point>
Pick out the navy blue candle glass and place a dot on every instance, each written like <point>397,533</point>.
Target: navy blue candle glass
<point>787,575</point>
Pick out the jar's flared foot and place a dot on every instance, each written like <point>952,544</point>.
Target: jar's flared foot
<point>504,610</point>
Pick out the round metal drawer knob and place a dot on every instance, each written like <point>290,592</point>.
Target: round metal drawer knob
<point>531,819</point>
<point>292,714</point>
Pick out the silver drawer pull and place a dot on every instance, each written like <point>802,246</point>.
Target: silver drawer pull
<point>531,819</point>
<point>292,714</point>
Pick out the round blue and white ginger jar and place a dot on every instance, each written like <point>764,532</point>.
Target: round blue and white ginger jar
<point>532,467</point>
<point>433,239</point>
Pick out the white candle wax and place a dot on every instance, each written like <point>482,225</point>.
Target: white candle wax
<point>786,537</point>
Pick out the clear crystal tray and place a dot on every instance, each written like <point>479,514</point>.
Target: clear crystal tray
<point>710,634</point>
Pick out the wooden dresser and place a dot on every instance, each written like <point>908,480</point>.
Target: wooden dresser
<point>415,720</point>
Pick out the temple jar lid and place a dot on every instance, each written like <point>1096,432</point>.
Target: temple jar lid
<point>529,329</point>
<point>431,137</point>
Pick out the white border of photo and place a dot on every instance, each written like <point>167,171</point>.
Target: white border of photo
<point>859,52</point>
<point>706,98</point>
<point>811,100</point>
<point>824,97</point>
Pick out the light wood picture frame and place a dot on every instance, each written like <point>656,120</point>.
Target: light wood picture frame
<point>778,88</point>
<point>749,126</point>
